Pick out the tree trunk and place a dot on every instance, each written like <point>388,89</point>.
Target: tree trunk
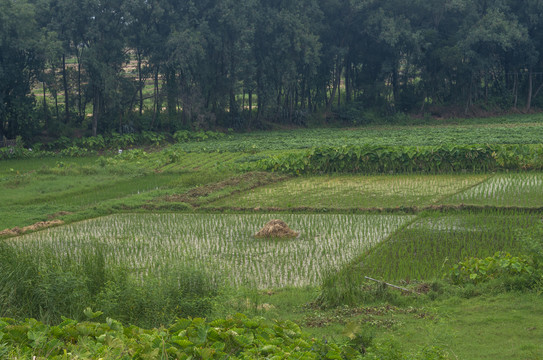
<point>537,91</point>
<point>171,86</point>
<point>66,97</point>
<point>156,110</point>
<point>348,81</point>
<point>141,83</point>
<point>79,100</point>
<point>339,89</point>
<point>334,87</point>
<point>95,111</point>
<point>530,89</point>
<point>250,104</point>
<point>515,90</point>
<point>486,87</point>
<point>309,102</point>
<point>45,116</point>
<point>395,86</point>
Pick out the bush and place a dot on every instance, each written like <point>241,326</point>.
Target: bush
<point>502,264</point>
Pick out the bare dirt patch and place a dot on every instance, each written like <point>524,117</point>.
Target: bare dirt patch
<point>37,226</point>
<point>243,182</point>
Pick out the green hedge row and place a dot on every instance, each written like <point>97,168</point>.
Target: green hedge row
<point>86,146</point>
<point>407,159</point>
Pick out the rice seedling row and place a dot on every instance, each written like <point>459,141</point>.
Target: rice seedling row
<point>432,244</point>
<point>515,189</point>
<point>354,191</point>
<point>222,244</point>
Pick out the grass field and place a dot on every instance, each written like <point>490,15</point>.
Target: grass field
<point>510,130</point>
<point>146,214</point>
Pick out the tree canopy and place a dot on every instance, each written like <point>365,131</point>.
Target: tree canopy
<point>125,65</point>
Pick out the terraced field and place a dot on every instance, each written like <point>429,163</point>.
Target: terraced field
<point>151,236</point>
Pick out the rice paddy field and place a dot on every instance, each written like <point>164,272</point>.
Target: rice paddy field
<point>430,245</point>
<point>523,190</point>
<point>351,191</point>
<point>502,190</point>
<point>192,206</point>
<point>224,244</point>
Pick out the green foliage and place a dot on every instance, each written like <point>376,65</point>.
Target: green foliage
<point>515,272</point>
<point>75,151</point>
<point>186,136</point>
<point>92,143</point>
<point>476,270</point>
<point>50,287</point>
<point>407,159</point>
<point>235,337</point>
<point>151,138</point>
<point>123,141</point>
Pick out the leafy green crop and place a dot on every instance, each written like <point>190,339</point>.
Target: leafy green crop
<point>236,337</point>
<point>407,159</point>
<point>475,270</point>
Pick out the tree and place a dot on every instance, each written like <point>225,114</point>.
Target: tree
<point>21,60</point>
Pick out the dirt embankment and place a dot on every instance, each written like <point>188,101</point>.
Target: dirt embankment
<point>235,184</point>
<point>37,226</point>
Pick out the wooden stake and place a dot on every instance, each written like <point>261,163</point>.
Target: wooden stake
<point>391,285</point>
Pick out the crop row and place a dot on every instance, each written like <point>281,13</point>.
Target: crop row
<point>407,159</point>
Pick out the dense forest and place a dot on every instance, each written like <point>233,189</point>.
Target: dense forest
<point>93,66</point>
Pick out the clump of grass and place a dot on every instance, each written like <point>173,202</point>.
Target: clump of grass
<point>53,285</point>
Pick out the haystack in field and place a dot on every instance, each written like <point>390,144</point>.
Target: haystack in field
<point>276,228</point>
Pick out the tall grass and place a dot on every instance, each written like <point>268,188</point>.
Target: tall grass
<point>53,285</point>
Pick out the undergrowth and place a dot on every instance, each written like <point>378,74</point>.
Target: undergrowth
<point>62,286</point>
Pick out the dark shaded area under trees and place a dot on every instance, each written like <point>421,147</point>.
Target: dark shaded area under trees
<point>239,64</point>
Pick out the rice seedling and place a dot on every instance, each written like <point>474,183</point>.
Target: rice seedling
<point>429,246</point>
<point>425,249</point>
<point>515,189</point>
<point>224,244</point>
<point>354,191</point>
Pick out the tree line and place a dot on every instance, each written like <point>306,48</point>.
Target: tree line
<point>120,65</point>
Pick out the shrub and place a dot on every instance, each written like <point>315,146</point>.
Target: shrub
<point>474,270</point>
